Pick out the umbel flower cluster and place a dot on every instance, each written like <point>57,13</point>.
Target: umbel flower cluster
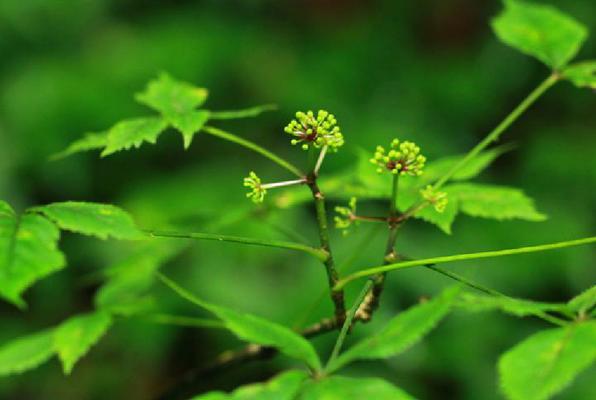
<point>320,131</point>
<point>403,158</point>
<point>258,192</point>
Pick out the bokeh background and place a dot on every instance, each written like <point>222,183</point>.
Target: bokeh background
<point>429,71</point>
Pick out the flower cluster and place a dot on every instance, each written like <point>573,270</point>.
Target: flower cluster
<point>346,219</point>
<point>258,192</point>
<point>403,158</point>
<point>319,131</point>
<point>437,199</point>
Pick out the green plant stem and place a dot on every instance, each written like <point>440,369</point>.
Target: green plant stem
<point>491,137</point>
<point>254,147</point>
<point>320,254</point>
<point>348,322</point>
<point>542,315</point>
<point>178,320</point>
<point>337,295</point>
<point>243,113</point>
<point>463,257</point>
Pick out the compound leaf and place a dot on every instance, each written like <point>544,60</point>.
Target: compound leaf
<point>28,252</point>
<point>343,388</point>
<point>133,132</point>
<point>75,336</point>
<point>582,74</point>
<point>401,332</point>
<point>540,31</point>
<point>94,219</point>
<point>256,329</point>
<point>546,362</point>
<point>26,352</point>
<point>284,386</point>
<point>496,202</point>
<point>189,123</point>
<point>170,96</point>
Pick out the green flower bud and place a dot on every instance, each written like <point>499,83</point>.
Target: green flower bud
<point>257,193</point>
<point>438,199</point>
<point>403,158</point>
<point>345,218</point>
<point>318,131</point>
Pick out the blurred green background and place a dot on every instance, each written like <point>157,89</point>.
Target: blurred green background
<point>428,71</point>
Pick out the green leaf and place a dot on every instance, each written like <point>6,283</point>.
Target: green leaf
<point>582,74</point>
<point>170,96</point>
<point>26,352</point>
<point>540,31</point>
<point>284,386</point>
<point>94,219</point>
<point>517,307</point>
<point>343,388</point>
<point>91,141</point>
<point>401,333</point>
<point>496,202</point>
<point>189,123</point>
<point>75,336</point>
<point>545,363</point>
<point>28,252</point>
<point>444,219</point>
<point>583,302</point>
<point>133,132</point>
<point>256,329</point>
<point>244,113</point>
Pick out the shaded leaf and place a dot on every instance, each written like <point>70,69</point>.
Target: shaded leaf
<point>101,220</point>
<point>75,336</point>
<point>402,332</point>
<point>170,96</point>
<point>545,363</point>
<point>583,302</point>
<point>518,307</point>
<point>496,202</point>
<point>189,123</point>
<point>91,141</point>
<point>256,329</point>
<point>582,74</point>
<point>343,388</point>
<point>28,252</point>
<point>284,386</point>
<point>133,132</point>
<point>25,353</point>
<point>540,31</point>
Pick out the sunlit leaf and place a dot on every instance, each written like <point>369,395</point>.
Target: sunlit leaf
<point>132,133</point>
<point>75,336</point>
<point>540,31</point>
<point>545,363</point>
<point>284,386</point>
<point>94,219</point>
<point>91,141</point>
<point>28,252</point>
<point>582,74</point>
<point>402,332</point>
<point>256,329</point>
<point>170,96</point>
<point>189,123</point>
<point>25,353</point>
<point>343,388</point>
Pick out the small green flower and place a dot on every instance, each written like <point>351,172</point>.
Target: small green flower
<point>258,192</point>
<point>346,217</point>
<point>319,131</point>
<point>437,199</point>
<point>403,158</point>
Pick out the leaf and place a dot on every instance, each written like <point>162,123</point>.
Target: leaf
<point>133,132</point>
<point>170,96</point>
<point>91,141</point>
<point>517,307</point>
<point>244,113</point>
<point>582,74</point>
<point>545,363</point>
<point>94,219</point>
<point>496,202</point>
<point>402,332</point>
<point>343,388</point>
<point>284,386</point>
<point>189,123</point>
<point>540,31</point>
<point>583,302</point>
<point>444,219</point>
<point>28,252</point>
<point>256,329</point>
<point>26,352</point>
